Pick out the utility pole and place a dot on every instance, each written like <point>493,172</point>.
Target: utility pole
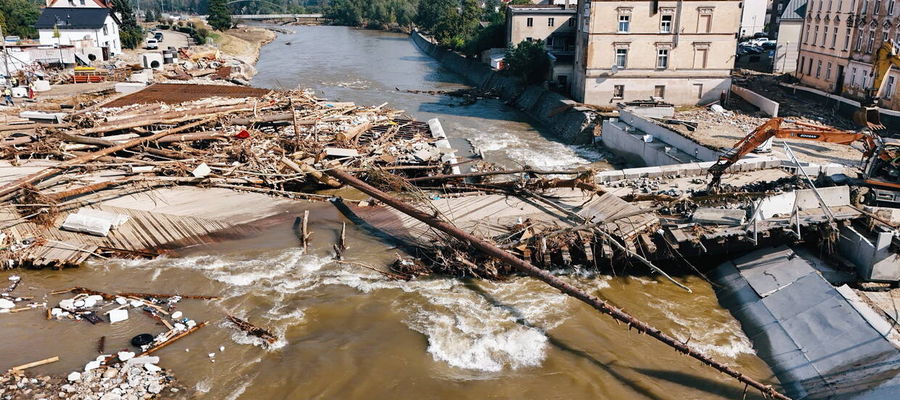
<point>5,53</point>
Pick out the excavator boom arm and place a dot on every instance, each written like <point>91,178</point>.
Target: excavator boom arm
<point>772,128</point>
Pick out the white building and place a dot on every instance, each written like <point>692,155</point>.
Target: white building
<point>790,26</point>
<point>78,26</point>
<point>753,17</point>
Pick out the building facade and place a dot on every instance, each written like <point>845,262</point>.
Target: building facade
<point>876,23</point>
<point>680,51</point>
<point>552,23</point>
<point>754,17</point>
<point>79,3</point>
<point>81,27</point>
<point>790,33</point>
<point>829,32</point>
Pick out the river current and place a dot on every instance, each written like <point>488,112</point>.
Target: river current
<point>345,332</point>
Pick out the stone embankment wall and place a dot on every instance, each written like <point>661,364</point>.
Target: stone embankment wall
<point>573,125</point>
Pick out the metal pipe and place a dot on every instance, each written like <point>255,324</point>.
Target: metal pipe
<point>548,278</point>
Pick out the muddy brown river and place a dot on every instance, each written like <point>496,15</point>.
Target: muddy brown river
<point>345,332</point>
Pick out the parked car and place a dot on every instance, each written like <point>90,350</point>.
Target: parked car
<point>152,44</point>
<point>769,45</point>
<point>758,35</point>
<point>158,36</point>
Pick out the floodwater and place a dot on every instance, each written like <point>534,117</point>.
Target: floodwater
<point>345,332</point>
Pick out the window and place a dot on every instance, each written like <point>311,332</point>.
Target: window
<point>621,57</point>
<point>806,35</point>
<point>897,36</point>
<point>82,2</point>
<point>865,7</point>
<point>662,58</point>
<point>871,42</point>
<point>819,69</point>
<point>828,72</point>
<point>853,77</point>
<point>891,7</point>
<point>529,22</point>
<point>659,91</point>
<point>700,57</point>
<point>809,67</point>
<point>665,24</point>
<point>802,63</point>
<point>816,36</point>
<point>551,22</point>
<point>699,88</point>
<point>619,91</point>
<point>847,40</point>
<point>834,38</point>
<point>549,42</point>
<point>563,80</point>
<point>877,7</point>
<point>859,40</point>
<point>571,22</point>
<point>704,25</point>
<point>624,21</point>
<point>890,87</point>
<point>105,30</point>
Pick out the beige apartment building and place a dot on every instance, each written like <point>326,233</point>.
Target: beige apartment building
<point>553,23</point>
<point>876,23</point>
<point>828,32</point>
<point>680,51</point>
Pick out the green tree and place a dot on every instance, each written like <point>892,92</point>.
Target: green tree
<point>219,15</point>
<point>17,17</point>
<point>431,12</point>
<point>130,32</point>
<point>528,60</point>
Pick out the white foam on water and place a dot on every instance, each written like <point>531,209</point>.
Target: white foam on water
<point>204,386</point>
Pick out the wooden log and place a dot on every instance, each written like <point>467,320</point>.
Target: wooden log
<point>174,339</point>
<point>48,172</point>
<point>34,364</point>
<point>301,229</point>
<point>352,133</point>
<point>552,280</point>
<point>252,330</point>
<point>307,169</point>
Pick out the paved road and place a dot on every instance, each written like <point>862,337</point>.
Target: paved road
<point>172,39</point>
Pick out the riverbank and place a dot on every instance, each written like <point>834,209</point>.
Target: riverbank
<point>244,42</point>
<point>569,122</point>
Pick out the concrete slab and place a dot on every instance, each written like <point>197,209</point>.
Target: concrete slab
<point>719,216</point>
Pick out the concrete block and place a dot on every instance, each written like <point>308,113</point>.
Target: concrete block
<point>129,87</point>
<point>609,176</point>
<point>719,216</point>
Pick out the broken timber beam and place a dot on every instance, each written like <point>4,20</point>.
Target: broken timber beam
<point>48,172</point>
<point>550,279</point>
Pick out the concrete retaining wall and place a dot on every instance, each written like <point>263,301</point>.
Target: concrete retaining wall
<point>765,105</point>
<point>643,142</point>
<point>842,105</point>
<point>572,126</point>
<point>872,256</point>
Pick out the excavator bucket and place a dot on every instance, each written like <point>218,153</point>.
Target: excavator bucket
<point>868,117</point>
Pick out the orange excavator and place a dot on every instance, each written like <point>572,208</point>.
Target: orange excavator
<point>881,172</point>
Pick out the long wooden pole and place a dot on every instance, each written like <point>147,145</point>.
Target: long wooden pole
<point>548,278</point>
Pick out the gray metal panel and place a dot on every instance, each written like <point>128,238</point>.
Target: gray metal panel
<point>816,342</point>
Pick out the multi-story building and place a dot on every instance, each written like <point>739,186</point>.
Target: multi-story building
<point>754,17</point>
<point>876,23</point>
<point>680,51</point>
<point>554,24</point>
<point>827,39</point>
<point>790,34</point>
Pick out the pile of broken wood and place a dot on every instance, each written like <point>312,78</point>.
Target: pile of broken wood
<point>277,144</point>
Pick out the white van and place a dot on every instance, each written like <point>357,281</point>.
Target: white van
<point>152,44</point>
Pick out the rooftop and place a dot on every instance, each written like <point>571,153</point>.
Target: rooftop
<point>72,18</point>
